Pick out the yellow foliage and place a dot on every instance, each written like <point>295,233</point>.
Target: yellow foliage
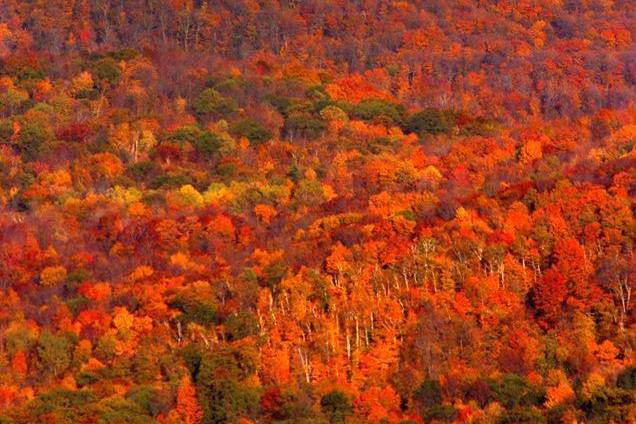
<point>190,196</point>
<point>593,383</point>
<point>123,320</point>
<point>52,275</point>
<point>218,194</point>
<point>432,175</point>
<point>126,196</point>
<point>180,260</point>
<point>140,273</point>
<point>462,214</point>
<point>84,81</point>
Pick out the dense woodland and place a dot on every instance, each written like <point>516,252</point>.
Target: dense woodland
<point>318,211</point>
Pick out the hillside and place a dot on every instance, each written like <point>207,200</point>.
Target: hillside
<point>286,211</point>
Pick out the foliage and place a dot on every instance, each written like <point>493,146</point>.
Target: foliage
<point>303,212</point>
<point>336,406</point>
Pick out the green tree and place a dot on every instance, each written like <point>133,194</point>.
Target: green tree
<point>253,131</point>
<point>336,406</point>
<point>54,352</point>
<point>33,141</point>
<point>431,121</point>
<point>211,102</point>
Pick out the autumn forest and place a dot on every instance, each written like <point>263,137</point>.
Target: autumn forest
<point>317,211</point>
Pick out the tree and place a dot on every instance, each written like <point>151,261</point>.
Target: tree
<point>430,121</point>
<point>550,294</point>
<point>187,405</point>
<point>211,102</point>
<point>54,352</point>
<point>336,406</point>
<point>53,275</point>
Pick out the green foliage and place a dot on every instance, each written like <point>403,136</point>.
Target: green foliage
<point>12,99</point>
<point>333,113</point>
<point>145,366</point>
<point>309,193</point>
<point>76,304</point>
<point>273,275</point>
<point>294,407</point>
<point>317,94</point>
<point>336,406</point>
<point>6,420</point>
<point>85,378</point>
<point>478,126</point>
<point>33,141</point>
<point>220,379</point>
<point>226,401</point>
<point>522,416</point>
<point>281,103</point>
<point>225,363</point>
<point>441,413</point>
<point>512,390</point>
<point>608,404</point>
<point>20,339</point>
<point>107,70</point>
<point>380,145</point>
<point>431,121</point>
<point>54,352</point>
<point>65,405</point>
<point>151,400</point>
<point>379,111</point>
<point>172,180</point>
<point>211,102</point>
<point>144,171</point>
<point>428,399</point>
<point>253,131</point>
<point>124,54</point>
<point>627,378</point>
<point>105,349</point>
<point>190,196</point>
<point>304,124</point>
<point>240,325</point>
<point>123,411</point>
<point>192,356</point>
<point>205,143</point>
<point>194,310</point>
<point>429,394</point>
